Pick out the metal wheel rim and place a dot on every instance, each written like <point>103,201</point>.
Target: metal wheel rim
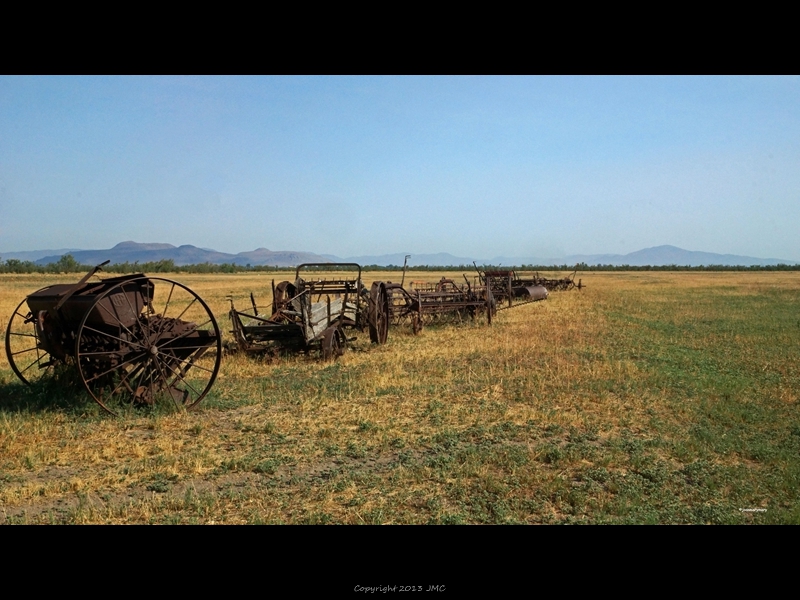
<point>41,356</point>
<point>380,314</point>
<point>333,343</point>
<point>160,372</point>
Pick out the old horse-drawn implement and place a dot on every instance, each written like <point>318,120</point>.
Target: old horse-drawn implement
<point>313,312</point>
<point>508,287</point>
<point>558,285</point>
<point>440,302</point>
<point>516,289</point>
<point>134,340</point>
<point>424,303</point>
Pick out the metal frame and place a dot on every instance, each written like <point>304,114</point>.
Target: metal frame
<point>302,321</point>
<point>444,301</point>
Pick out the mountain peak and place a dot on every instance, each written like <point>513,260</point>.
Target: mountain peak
<point>131,245</point>
<point>665,247</point>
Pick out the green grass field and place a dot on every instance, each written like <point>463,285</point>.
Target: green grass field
<point>644,398</point>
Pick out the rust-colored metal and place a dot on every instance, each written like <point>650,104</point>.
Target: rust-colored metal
<point>379,313</point>
<point>558,285</point>
<point>444,301</point>
<point>313,313</point>
<point>129,345</point>
<point>516,289</point>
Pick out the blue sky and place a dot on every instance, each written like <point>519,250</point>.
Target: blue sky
<point>475,166</point>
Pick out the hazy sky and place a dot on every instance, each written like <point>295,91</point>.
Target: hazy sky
<point>475,166</point>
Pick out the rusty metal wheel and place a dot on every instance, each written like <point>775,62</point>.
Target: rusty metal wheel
<point>26,357</point>
<point>148,341</point>
<point>281,295</point>
<point>333,343</point>
<point>379,313</point>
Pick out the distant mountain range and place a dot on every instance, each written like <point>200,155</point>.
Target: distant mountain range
<point>34,255</point>
<point>657,256</point>
<point>186,255</point>
<point>181,255</point>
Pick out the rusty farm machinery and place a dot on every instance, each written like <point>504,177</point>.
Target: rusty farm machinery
<point>301,320</point>
<point>136,340</point>
<point>133,340</point>
<point>507,287</point>
<point>314,312</point>
<point>446,300</point>
<point>441,302</point>
<point>558,285</point>
<point>516,289</point>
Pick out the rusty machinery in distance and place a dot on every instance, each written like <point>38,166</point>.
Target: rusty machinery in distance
<point>133,340</point>
<point>423,303</point>
<point>441,302</point>
<point>516,289</point>
<point>446,300</point>
<point>301,320</point>
<point>558,285</point>
<point>314,312</point>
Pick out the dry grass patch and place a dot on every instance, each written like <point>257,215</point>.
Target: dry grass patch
<point>647,397</point>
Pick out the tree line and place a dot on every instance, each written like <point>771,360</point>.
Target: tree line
<point>68,264</point>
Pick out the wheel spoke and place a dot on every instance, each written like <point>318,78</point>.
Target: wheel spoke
<point>136,375</point>
<point>24,334</point>
<point>113,337</point>
<point>142,369</point>
<point>124,380</point>
<point>38,360</point>
<point>114,316</point>
<point>173,385</point>
<point>164,314</point>
<point>184,334</point>
<point>164,347</point>
<point>167,384</point>
<point>163,377</point>
<point>192,364</point>
<point>178,318</point>
<point>177,377</point>
<point>134,312</point>
<point>115,368</point>
<point>24,351</point>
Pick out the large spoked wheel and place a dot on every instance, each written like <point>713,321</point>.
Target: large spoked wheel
<point>333,343</point>
<point>379,314</point>
<point>24,352</point>
<point>148,341</point>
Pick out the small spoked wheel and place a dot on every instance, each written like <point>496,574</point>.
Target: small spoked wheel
<point>333,343</point>
<point>379,313</point>
<point>24,351</point>
<point>148,341</point>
